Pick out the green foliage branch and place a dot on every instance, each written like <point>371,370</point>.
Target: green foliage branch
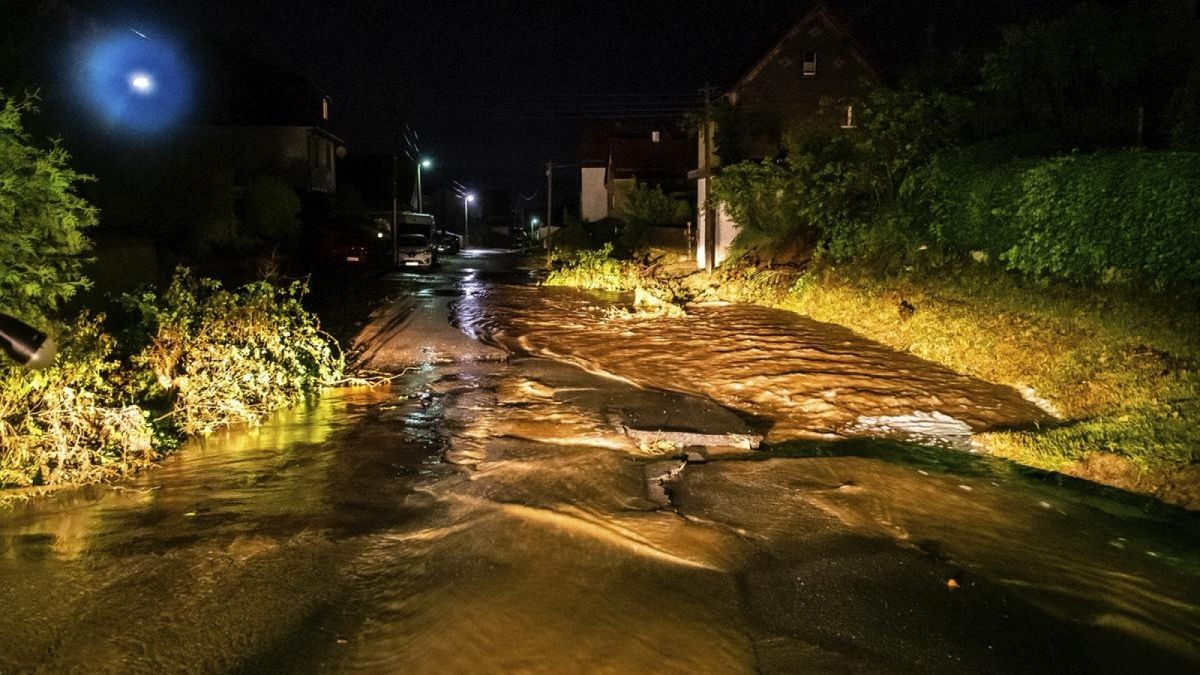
<point>42,220</point>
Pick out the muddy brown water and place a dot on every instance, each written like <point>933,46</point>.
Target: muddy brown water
<point>488,515</point>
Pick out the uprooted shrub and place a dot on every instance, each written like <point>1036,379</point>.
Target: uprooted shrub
<point>217,357</point>
<point>64,424</point>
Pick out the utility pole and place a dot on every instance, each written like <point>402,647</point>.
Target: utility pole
<point>420,192</point>
<point>710,218</point>
<point>549,205</point>
<point>395,173</point>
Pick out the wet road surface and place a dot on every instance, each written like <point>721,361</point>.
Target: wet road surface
<point>554,486</point>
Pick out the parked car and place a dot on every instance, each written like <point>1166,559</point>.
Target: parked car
<point>414,250</point>
<point>448,243</point>
<point>344,248</point>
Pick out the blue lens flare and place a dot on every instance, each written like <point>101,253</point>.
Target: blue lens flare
<point>136,83</point>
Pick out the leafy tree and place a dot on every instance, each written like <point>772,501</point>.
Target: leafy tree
<point>1084,78</point>
<point>42,220</point>
<point>272,212</point>
<point>645,207</point>
<point>347,208</point>
<point>833,186</point>
<point>1183,115</point>
<point>651,206</point>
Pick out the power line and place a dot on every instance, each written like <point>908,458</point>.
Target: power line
<point>549,95</point>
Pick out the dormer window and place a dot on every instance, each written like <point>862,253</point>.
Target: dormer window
<point>810,64</point>
<point>325,108</point>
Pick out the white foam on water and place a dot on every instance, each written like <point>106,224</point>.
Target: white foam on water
<point>925,426</point>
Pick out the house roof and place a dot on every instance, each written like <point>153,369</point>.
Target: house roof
<point>891,36</point>
<point>246,91</point>
<point>817,9</point>
<point>632,147</point>
<point>645,158</point>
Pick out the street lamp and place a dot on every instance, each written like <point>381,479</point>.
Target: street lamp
<point>533,223</point>
<point>467,199</point>
<point>425,163</point>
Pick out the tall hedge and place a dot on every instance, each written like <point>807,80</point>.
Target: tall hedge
<point>970,201</point>
<point>1110,217</point>
<point>1121,216</point>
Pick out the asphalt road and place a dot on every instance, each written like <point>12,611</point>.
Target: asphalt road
<point>515,502</point>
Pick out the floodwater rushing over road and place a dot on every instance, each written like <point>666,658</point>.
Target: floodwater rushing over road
<point>597,499</point>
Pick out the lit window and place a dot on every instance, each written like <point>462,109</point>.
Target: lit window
<point>810,63</point>
<point>325,108</point>
<point>655,136</point>
<point>849,118</point>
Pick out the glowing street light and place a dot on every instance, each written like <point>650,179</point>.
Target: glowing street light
<point>425,163</point>
<point>533,224</point>
<point>467,199</point>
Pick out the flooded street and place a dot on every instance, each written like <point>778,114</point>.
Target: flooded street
<point>556,485</point>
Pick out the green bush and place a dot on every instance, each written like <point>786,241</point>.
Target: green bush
<point>645,207</point>
<point>1110,217</point>
<point>570,239</point>
<point>968,203</point>
<point>766,200</point>
<point>846,188</point>
<point>1117,216</point>
<point>219,357</point>
<point>63,424</point>
<point>597,270</point>
<point>272,213</point>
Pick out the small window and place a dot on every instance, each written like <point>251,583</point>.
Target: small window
<point>655,136</point>
<point>325,108</point>
<point>810,63</point>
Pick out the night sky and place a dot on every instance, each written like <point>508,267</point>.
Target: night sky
<point>494,88</point>
<point>487,85</point>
